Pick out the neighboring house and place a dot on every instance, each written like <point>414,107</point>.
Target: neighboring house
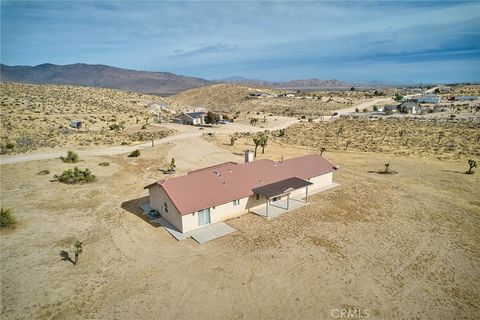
<point>465,98</point>
<point>193,118</point>
<point>409,107</point>
<point>230,189</point>
<point>430,98</point>
<point>389,109</point>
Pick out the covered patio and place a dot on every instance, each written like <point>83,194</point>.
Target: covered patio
<point>277,208</point>
<point>274,194</point>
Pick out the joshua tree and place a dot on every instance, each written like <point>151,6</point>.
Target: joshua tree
<point>78,249</point>
<point>232,140</point>
<point>263,143</point>
<point>472,164</point>
<point>172,164</point>
<point>387,165</point>
<point>122,126</point>
<point>347,144</point>
<point>440,136</point>
<point>258,141</point>
<point>322,150</point>
<point>253,121</point>
<point>339,131</point>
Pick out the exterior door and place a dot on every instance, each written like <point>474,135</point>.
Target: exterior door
<point>204,217</point>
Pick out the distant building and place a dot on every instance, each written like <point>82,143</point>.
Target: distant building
<point>465,98</point>
<point>77,124</point>
<point>430,98</point>
<point>409,107</point>
<point>192,118</point>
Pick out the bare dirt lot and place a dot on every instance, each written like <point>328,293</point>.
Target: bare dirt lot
<point>402,246</point>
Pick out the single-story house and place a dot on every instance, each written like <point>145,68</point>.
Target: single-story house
<point>230,189</point>
<point>409,107</point>
<point>193,118</point>
<point>431,98</point>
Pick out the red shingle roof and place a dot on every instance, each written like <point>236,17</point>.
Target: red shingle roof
<point>226,182</point>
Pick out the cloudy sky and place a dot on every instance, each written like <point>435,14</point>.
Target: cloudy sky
<point>429,41</point>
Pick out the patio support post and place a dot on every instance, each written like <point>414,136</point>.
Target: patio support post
<point>267,206</point>
<point>288,199</point>
<point>306,194</point>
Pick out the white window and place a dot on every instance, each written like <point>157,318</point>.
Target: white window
<point>165,207</point>
<point>236,202</point>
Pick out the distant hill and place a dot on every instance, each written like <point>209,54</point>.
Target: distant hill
<point>294,84</point>
<point>159,83</point>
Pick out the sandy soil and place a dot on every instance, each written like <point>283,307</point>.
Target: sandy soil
<point>401,246</point>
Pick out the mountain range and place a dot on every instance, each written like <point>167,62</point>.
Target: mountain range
<point>158,83</point>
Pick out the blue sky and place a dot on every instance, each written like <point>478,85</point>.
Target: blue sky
<point>429,41</point>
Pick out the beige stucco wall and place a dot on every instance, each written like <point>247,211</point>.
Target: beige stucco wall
<point>222,212</point>
<point>157,198</point>
<point>321,181</point>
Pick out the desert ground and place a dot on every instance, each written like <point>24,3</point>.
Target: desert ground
<point>398,246</point>
<point>393,246</point>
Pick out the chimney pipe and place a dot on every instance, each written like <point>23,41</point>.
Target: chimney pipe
<point>248,155</point>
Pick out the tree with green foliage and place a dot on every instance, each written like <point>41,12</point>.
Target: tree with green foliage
<point>78,249</point>
<point>398,97</point>
<point>7,218</point>
<point>211,118</point>
<point>71,157</point>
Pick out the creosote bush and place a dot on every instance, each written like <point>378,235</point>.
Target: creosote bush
<point>75,176</point>
<point>134,154</point>
<point>71,157</point>
<point>43,172</point>
<point>104,164</point>
<point>7,218</point>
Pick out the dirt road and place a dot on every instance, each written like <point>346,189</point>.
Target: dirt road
<point>183,133</point>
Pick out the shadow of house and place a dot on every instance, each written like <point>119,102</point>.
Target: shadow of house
<point>133,206</point>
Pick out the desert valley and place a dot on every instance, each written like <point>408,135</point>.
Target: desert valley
<point>239,160</point>
<point>400,245</point>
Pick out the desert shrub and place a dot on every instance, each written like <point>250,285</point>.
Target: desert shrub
<point>134,154</point>
<point>75,176</point>
<point>104,164</point>
<point>71,157</point>
<point>43,173</point>
<point>7,218</point>
<point>114,126</point>
<point>124,143</point>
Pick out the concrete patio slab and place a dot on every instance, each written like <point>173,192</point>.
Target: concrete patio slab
<point>170,228</point>
<point>279,207</point>
<point>211,232</point>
